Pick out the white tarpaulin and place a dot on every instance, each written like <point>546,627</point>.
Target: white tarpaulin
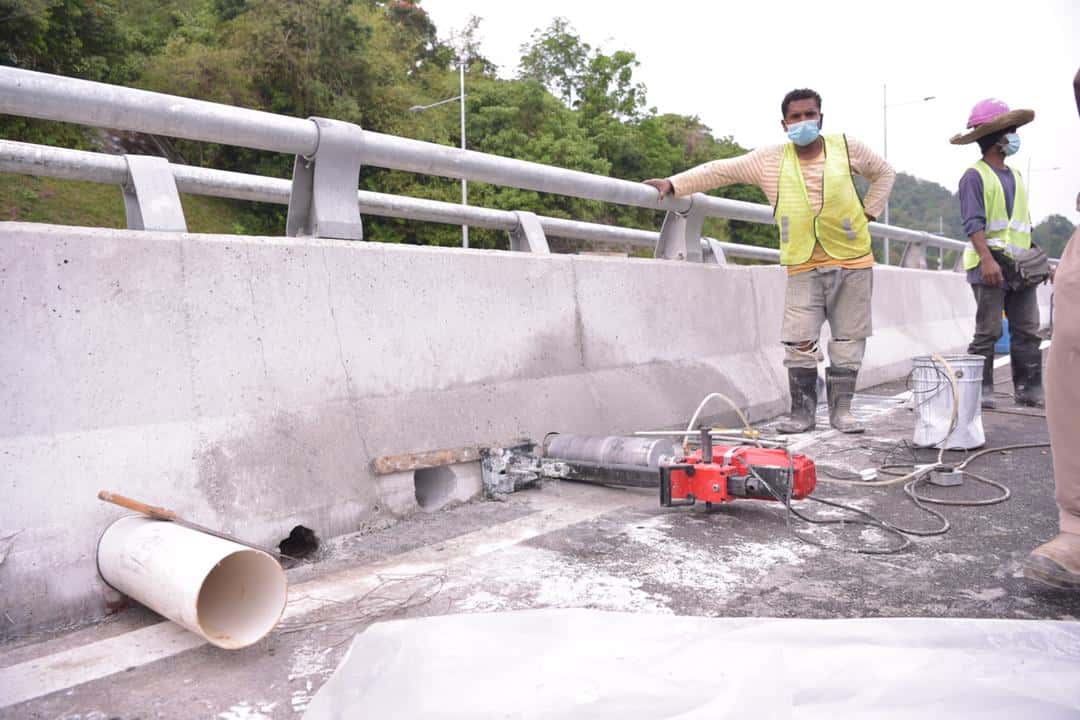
<point>592,664</point>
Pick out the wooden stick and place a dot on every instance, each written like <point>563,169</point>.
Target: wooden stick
<point>123,501</point>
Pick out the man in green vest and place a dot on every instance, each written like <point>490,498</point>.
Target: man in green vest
<point>824,244</point>
<point>994,206</point>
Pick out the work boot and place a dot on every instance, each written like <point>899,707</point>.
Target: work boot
<point>803,385</point>
<point>1057,563</point>
<point>1027,377</point>
<point>840,386</point>
<point>988,401</point>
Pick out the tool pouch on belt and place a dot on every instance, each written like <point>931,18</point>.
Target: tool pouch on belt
<point>1022,268</point>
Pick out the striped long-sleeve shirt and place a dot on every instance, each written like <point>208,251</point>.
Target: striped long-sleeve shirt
<point>761,167</point>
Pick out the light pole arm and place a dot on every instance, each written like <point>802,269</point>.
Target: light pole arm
<point>418,108</point>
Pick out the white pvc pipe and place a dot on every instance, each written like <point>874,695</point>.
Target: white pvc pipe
<point>230,594</point>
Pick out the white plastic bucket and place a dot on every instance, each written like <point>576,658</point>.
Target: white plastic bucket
<point>932,397</point>
<point>230,594</point>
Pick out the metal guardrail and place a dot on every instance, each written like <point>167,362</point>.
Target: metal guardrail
<point>329,152</point>
<point>46,161</point>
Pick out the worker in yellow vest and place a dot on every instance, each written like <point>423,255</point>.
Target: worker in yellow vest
<point>994,206</point>
<point>824,244</point>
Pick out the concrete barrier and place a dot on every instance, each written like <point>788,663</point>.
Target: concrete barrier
<point>248,382</point>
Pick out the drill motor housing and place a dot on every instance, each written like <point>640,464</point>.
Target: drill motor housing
<point>734,472</point>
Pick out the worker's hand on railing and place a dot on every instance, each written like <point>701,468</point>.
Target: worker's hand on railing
<point>663,186</point>
<point>991,272</point>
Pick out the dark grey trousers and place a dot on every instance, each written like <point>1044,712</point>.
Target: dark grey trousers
<point>1021,307</point>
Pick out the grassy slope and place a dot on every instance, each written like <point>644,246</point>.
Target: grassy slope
<point>68,202</point>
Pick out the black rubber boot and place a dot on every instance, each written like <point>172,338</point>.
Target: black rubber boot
<point>988,401</point>
<point>1027,377</point>
<point>803,385</point>
<point>840,386</point>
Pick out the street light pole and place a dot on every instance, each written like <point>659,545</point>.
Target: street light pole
<point>464,182</point>
<point>885,142</point>
<point>885,133</point>
<point>461,97</point>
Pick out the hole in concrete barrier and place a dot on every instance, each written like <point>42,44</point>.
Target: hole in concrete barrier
<point>434,486</point>
<point>301,543</point>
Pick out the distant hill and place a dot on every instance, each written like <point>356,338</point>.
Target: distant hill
<point>925,205</point>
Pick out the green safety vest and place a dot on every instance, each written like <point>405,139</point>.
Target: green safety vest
<point>1002,232</point>
<point>841,227</point>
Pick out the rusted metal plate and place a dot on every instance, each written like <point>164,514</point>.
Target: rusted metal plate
<point>418,461</point>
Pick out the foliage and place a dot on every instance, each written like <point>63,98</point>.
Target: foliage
<point>1052,234</point>
<point>66,202</point>
<point>375,63</point>
<point>79,38</point>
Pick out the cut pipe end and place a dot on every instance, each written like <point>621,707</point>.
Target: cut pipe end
<point>229,594</point>
<point>242,599</point>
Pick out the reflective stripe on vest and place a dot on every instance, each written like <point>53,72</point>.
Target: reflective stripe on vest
<point>1002,232</point>
<point>841,227</point>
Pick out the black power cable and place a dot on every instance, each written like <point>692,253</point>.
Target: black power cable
<point>871,521</point>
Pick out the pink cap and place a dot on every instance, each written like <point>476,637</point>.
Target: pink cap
<point>985,111</point>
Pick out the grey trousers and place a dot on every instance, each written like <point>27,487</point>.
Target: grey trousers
<point>1021,307</point>
<point>833,294</point>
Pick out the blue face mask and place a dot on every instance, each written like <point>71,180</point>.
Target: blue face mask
<point>804,133</point>
<point>1012,144</point>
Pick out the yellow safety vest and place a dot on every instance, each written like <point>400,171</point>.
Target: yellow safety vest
<point>1002,232</point>
<point>841,227</point>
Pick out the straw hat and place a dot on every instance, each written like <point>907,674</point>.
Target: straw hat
<point>990,116</point>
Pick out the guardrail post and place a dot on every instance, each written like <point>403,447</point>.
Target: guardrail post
<point>151,201</point>
<point>914,256</point>
<point>323,199</point>
<point>715,251</point>
<point>680,235</point>
<point>529,235</point>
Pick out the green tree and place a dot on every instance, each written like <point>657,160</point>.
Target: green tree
<point>78,38</point>
<point>555,57</point>
<point>1052,234</point>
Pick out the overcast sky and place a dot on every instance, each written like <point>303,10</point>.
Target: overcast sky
<point>730,63</point>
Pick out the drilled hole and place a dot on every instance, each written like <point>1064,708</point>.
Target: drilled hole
<point>434,486</point>
<point>301,543</point>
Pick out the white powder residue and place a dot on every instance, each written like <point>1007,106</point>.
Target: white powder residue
<point>301,699</point>
<point>594,589</point>
<point>248,711</point>
<point>667,560</point>
<point>526,577</point>
<point>308,661</point>
<point>988,595</point>
<point>482,601</point>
